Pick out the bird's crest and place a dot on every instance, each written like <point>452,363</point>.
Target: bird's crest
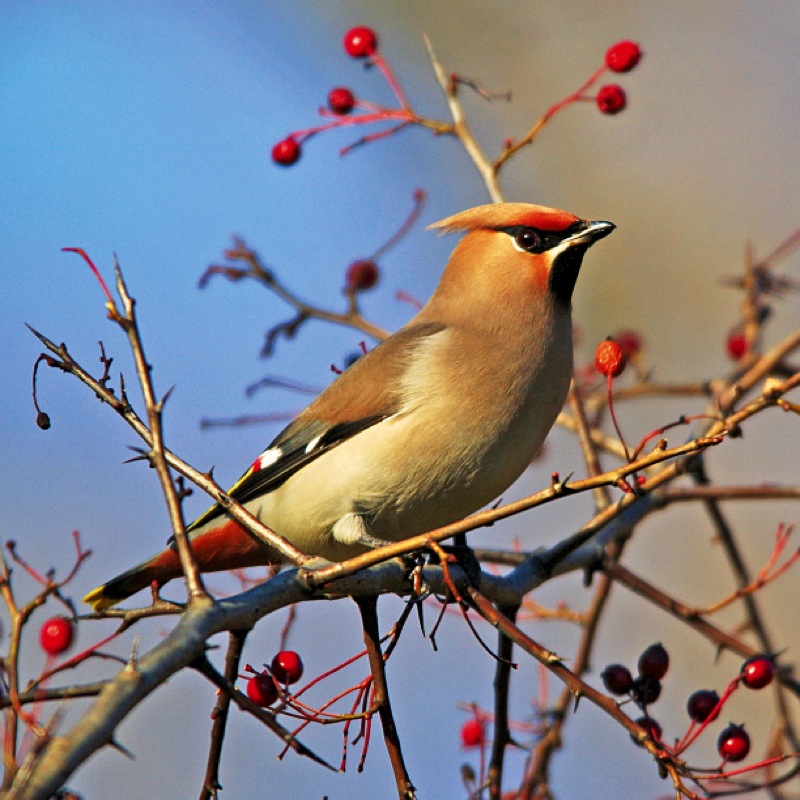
<point>497,216</point>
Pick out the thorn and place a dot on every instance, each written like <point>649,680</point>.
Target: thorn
<point>121,749</point>
<point>133,659</point>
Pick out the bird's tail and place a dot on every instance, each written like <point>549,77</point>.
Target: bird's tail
<point>222,545</point>
<point>159,568</point>
<point>133,580</point>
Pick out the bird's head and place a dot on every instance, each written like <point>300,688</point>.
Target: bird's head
<point>518,251</point>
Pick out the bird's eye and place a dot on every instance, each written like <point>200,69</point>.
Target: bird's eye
<point>527,239</point>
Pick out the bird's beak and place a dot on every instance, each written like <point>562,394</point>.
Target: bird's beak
<point>591,233</point>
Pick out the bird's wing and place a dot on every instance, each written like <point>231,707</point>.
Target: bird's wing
<point>369,391</point>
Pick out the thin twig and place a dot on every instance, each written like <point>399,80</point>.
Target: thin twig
<point>219,715</point>
<point>368,607</point>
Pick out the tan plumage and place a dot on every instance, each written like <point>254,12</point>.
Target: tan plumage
<point>432,424</point>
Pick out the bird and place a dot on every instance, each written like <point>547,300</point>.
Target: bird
<point>429,426</point>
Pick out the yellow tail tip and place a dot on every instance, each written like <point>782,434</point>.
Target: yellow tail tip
<point>99,600</point>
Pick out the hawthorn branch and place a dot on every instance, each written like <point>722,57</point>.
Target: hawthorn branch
<point>194,583</point>
<point>502,684</point>
<point>219,715</point>
<point>368,608</point>
<point>461,129</point>
<point>256,270</point>
<point>203,480</point>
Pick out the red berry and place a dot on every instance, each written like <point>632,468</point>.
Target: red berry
<point>645,690</point>
<point>609,358</point>
<point>733,743</point>
<point>286,152</point>
<point>701,704</point>
<point>261,689</point>
<point>736,344</point>
<point>472,733</point>
<point>623,56</point>
<point>287,667</point>
<point>341,100</point>
<point>654,661</point>
<point>362,275</point>
<point>758,672</point>
<point>631,343</point>
<point>617,679</point>
<point>611,99</point>
<point>56,635</point>
<point>360,42</point>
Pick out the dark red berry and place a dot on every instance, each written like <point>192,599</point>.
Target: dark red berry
<point>360,42</point>
<point>261,689</point>
<point>701,704</point>
<point>630,342</point>
<point>56,635</point>
<point>287,667</point>
<point>617,679</point>
<point>736,344</point>
<point>623,56</point>
<point>651,726</point>
<point>341,100</point>
<point>609,358</point>
<point>758,672</point>
<point>654,661</point>
<point>611,99</point>
<point>362,275</point>
<point>645,690</point>
<point>286,152</point>
<point>473,733</point>
<point>733,743</point>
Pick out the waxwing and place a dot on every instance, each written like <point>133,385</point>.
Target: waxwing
<point>429,426</point>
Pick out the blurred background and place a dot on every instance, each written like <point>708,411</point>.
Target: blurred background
<point>145,130</point>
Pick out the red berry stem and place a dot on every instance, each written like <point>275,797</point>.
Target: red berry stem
<point>782,535</point>
<point>767,762</point>
<point>690,737</point>
<point>76,659</point>
<point>11,546</point>
<point>93,268</point>
<point>578,94</point>
<point>390,78</point>
<point>373,137</point>
<point>610,382</point>
<point>683,420</point>
<point>419,200</point>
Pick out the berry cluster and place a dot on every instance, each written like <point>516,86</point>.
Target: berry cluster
<point>263,688</point>
<point>361,43</point>
<point>621,57</point>
<point>645,689</point>
<point>703,706</point>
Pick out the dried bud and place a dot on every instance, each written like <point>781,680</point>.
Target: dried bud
<point>362,275</point>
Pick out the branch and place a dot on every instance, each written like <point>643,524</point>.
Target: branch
<point>203,480</point>
<point>194,584</point>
